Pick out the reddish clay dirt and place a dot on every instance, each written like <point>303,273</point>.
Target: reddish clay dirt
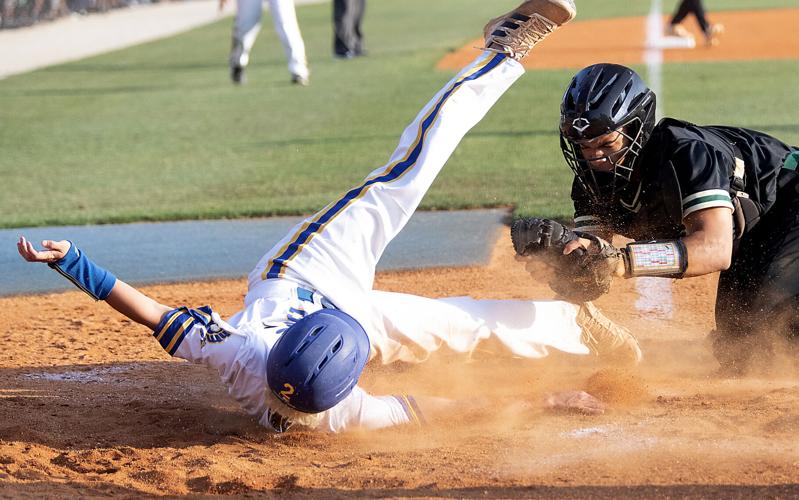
<point>755,35</point>
<point>91,406</point>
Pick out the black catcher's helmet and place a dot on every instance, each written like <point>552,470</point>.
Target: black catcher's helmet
<point>602,98</point>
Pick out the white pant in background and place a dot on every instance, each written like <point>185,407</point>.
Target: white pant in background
<point>248,23</point>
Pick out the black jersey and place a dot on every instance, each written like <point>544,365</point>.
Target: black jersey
<point>685,168</point>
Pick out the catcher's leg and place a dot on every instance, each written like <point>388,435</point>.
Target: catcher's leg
<point>288,30</point>
<point>758,294</point>
<point>731,339</point>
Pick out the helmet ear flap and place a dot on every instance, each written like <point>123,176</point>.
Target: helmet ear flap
<point>569,102</point>
<point>650,115</point>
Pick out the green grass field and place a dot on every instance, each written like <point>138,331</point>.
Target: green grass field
<point>157,132</point>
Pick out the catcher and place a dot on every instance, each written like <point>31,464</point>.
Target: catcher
<point>696,200</point>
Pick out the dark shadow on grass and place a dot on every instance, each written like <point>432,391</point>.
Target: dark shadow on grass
<point>168,66</point>
<point>481,134</point>
<point>81,67</point>
<point>382,137</point>
<point>131,89</point>
<point>92,91</point>
<point>516,133</point>
<point>777,129</point>
<point>142,89</point>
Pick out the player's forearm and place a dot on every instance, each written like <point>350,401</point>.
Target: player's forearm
<point>135,305</point>
<point>100,284</point>
<point>706,253</point>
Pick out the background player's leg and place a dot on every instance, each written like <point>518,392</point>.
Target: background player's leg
<point>359,7</point>
<point>245,30</point>
<point>288,30</point>
<point>336,250</point>
<point>344,35</point>
<point>413,326</point>
<point>699,12</point>
<point>683,9</point>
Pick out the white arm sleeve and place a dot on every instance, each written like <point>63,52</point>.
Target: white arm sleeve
<point>195,335</point>
<point>361,410</point>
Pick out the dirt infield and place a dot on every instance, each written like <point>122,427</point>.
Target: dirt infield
<point>755,35</point>
<point>91,406</point>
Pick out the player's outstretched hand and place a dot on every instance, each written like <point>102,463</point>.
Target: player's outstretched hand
<point>54,250</point>
<point>574,402</point>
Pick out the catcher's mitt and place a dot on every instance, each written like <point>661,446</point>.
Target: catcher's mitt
<point>543,237</point>
<point>579,276</point>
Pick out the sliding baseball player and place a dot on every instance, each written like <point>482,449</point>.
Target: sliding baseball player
<point>311,320</point>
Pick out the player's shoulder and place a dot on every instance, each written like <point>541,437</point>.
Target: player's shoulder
<point>689,146</point>
<point>674,132</point>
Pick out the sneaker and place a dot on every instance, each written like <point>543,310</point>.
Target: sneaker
<point>518,31</point>
<point>712,34</point>
<point>237,75</point>
<point>678,31</point>
<point>605,338</point>
<point>350,54</point>
<point>300,80</point>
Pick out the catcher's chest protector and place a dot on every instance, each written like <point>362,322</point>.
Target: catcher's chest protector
<point>686,168</point>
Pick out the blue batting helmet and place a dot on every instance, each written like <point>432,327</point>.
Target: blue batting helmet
<point>317,361</point>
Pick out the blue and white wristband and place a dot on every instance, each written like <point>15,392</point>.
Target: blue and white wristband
<point>84,273</point>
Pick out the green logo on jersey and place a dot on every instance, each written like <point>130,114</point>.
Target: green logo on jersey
<point>791,161</point>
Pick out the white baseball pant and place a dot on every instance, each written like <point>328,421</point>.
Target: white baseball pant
<point>336,250</point>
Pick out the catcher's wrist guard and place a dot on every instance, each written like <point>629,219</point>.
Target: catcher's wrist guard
<point>85,274</point>
<point>660,258</point>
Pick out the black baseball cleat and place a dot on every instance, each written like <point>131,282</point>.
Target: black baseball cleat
<point>237,75</point>
<point>350,54</point>
<point>300,80</point>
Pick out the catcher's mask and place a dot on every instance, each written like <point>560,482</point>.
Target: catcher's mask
<point>317,361</point>
<point>601,99</point>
